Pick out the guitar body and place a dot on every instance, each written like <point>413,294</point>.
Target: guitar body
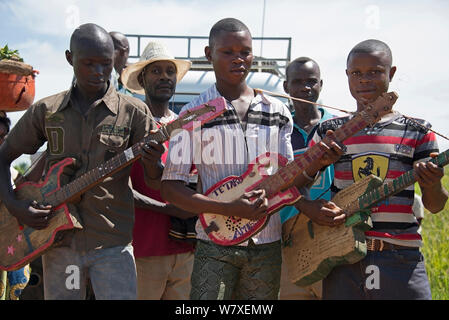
<point>311,251</point>
<point>227,231</point>
<point>232,230</point>
<point>20,245</point>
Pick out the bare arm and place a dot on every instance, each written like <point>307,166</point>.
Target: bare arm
<point>428,175</point>
<point>252,205</point>
<point>7,156</point>
<point>147,203</point>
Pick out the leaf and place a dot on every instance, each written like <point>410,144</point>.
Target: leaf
<point>6,53</point>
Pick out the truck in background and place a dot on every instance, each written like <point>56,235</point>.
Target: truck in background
<point>267,72</point>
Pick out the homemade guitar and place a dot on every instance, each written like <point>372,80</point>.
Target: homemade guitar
<point>21,244</point>
<point>232,230</point>
<point>312,251</point>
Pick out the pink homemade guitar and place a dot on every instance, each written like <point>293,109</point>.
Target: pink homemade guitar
<point>19,245</point>
<point>226,231</point>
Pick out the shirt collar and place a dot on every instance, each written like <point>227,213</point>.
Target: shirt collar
<point>110,98</point>
<point>325,115</point>
<point>259,96</point>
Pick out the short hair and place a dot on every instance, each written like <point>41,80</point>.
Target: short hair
<point>301,61</point>
<point>89,33</point>
<point>6,122</point>
<point>372,46</point>
<point>226,25</point>
<point>120,40</point>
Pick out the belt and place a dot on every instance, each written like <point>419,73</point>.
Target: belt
<point>380,245</point>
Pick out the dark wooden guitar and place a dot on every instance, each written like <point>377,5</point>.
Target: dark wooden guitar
<point>21,244</point>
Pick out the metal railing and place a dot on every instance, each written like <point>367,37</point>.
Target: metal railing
<point>275,65</point>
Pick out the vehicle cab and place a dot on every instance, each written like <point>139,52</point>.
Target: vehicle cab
<point>267,72</point>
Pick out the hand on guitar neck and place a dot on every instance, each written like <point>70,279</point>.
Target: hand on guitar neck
<point>151,156</point>
<point>332,153</point>
<point>322,212</point>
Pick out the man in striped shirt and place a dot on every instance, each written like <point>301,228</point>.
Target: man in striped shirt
<point>252,125</point>
<point>394,267</point>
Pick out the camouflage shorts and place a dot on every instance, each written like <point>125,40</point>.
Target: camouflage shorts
<point>236,272</point>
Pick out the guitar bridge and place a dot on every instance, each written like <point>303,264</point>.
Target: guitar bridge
<point>211,228</point>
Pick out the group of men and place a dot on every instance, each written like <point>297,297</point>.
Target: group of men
<point>129,255</point>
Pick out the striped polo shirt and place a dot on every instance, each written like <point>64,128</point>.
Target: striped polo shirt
<point>387,150</point>
<point>223,148</point>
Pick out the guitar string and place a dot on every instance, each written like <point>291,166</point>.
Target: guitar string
<point>33,163</point>
<point>293,98</point>
<point>348,112</point>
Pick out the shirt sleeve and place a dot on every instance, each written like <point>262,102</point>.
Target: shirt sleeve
<point>28,135</point>
<point>285,133</point>
<point>426,144</point>
<point>180,154</point>
<point>315,138</point>
<point>143,121</point>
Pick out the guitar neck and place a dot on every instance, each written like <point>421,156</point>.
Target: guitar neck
<point>284,178</point>
<point>393,187</point>
<point>95,176</point>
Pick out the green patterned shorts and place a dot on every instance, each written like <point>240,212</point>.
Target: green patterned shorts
<point>236,272</point>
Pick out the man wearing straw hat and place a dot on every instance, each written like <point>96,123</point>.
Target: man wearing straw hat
<point>163,265</point>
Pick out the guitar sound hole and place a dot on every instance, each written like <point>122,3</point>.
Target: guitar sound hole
<point>303,259</point>
<point>233,223</point>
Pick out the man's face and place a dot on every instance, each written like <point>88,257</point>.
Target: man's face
<point>303,81</point>
<point>231,56</point>
<point>159,80</point>
<point>3,133</point>
<point>121,55</point>
<point>92,66</point>
<point>369,75</point>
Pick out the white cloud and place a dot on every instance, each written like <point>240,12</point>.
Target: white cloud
<point>324,30</point>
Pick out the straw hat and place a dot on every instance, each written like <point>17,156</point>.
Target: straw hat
<point>154,51</point>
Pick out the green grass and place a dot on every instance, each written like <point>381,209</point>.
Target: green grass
<point>435,233</point>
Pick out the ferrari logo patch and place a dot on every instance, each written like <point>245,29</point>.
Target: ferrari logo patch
<point>373,163</point>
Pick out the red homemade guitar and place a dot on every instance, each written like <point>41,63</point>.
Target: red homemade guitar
<point>226,231</point>
<point>20,245</point>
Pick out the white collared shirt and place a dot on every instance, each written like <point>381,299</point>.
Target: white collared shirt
<point>223,148</point>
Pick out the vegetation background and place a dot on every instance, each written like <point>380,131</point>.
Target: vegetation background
<point>435,233</point>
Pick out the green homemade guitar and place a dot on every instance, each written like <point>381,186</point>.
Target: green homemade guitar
<point>311,251</point>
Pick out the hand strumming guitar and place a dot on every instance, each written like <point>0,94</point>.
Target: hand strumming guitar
<point>251,205</point>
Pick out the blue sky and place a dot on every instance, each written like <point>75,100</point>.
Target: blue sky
<point>417,32</point>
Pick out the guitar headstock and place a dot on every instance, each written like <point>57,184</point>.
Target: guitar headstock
<point>202,113</point>
<point>377,109</point>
